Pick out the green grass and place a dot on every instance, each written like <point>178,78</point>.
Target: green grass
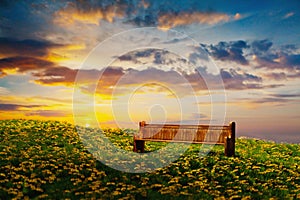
<point>46,159</point>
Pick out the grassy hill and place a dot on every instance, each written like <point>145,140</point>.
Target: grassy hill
<point>46,159</point>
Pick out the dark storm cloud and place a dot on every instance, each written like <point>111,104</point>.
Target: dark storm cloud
<point>259,46</point>
<point>14,47</point>
<point>228,51</point>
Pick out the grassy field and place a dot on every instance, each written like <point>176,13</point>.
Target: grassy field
<point>46,159</point>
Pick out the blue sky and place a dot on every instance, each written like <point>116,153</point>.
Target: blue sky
<point>159,61</point>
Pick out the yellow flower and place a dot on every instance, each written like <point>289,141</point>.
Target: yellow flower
<point>115,193</point>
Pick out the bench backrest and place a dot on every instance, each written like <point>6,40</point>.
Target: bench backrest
<point>186,133</point>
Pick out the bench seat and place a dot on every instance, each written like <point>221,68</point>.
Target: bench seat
<point>196,134</point>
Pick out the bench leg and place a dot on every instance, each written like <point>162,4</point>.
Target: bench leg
<point>139,146</point>
<point>229,147</point>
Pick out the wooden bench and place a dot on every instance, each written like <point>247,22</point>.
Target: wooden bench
<point>199,134</point>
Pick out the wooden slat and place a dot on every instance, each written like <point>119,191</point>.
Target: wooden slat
<point>179,141</point>
<point>199,134</point>
<point>185,126</point>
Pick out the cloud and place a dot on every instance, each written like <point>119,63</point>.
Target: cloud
<point>237,16</point>
<point>268,100</point>
<point>288,15</point>
<point>183,82</point>
<point>120,80</point>
<point>87,13</point>
<point>163,14</point>
<point>168,69</point>
<point>56,76</point>
<point>285,58</point>
<point>9,107</point>
<point>289,49</point>
<point>105,81</point>
<point>240,81</point>
<point>22,64</point>
<point>22,20</point>
<point>276,76</point>
<point>292,60</point>
<point>199,116</point>
<point>15,107</point>
<point>148,19</point>
<point>170,20</point>
<point>294,75</point>
<point>31,110</point>
<point>228,51</point>
<point>195,118</point>
<point>27,110</point>
<point>139,56</point>
<point>150,57</point>
<point>275,99</point>
<point>259,46</point>
<point>65,76</point>
<point>259,54</point>
<point>34,48</point>
<point>134,76</point>
<point>285,95</point>
<point>279,60</point>
<point>46,113</point>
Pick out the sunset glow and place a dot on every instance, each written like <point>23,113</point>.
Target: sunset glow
<point>113,64</point>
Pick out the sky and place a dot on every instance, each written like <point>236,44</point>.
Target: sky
<point>115,63</point>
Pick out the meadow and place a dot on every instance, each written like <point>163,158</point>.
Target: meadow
<point>47,160</point>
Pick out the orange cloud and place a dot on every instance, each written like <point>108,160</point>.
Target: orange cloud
<point>56,76</point>
<point>71,14</point>
<point>237,16</point>
<point>171,20</point>
<point>20,64</point>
